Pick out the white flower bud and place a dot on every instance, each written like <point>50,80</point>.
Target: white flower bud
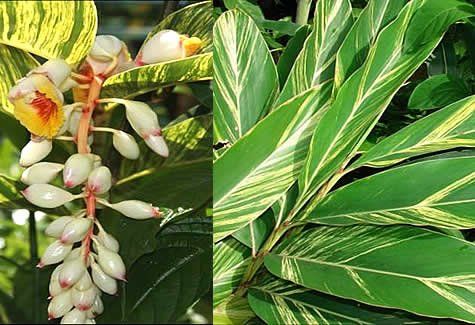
<point>77,169</point>
<point>89,321</point>
<point>102,280</point>
<point>35,151</point>
<point>73,124</point>
<point>126,145</point>
<point>97,160</point>
<point>97,308</point>
<point>110,262</point>
<point>71,272</point>
<point>46,195</point>
<point>141,117</point>
<point>54,253</point>
<point>41,173</point>
<point>100,180</point>
<point>106,47</point>
<point>67,110</point>
<point>67,85</point>
<point>74,254</point>
<point>163,46</point>
<point>84,283</point>
<point>54,287</point>
<point>56,228</point>
<point>107,240</point>
<point>136,209</point>
<point>76,230</point>
<point>83,300</point>
<point>60,305</point>
<point>57,70</point>
<point>157,144</point>
<point>75,316</point>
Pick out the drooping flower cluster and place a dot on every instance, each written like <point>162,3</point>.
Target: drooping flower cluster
<point>88,255</point>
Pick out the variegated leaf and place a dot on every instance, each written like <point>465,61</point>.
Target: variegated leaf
<point>140,80</point>
<point>281,302</point>
<point>315,64</point>
<point>51,29</point>
<point>234,310</point>
<point>193,20</point>
<point>14,64</point>
<point>243,188</point>
<point>409,268</point>
<point>408,194</point>
<point>400,48</point>
<point>246,81</point>
<point>450,127</point>
<point>230,261</point>
<point>354,50</point>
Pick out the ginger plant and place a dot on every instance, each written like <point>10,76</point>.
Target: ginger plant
<point>88,256</point>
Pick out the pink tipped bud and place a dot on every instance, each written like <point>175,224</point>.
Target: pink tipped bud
<point>76,230</point>
<point>56,228</point>
<point>60,305</point>
<point>41,173</point>
<point>126,145</point>
<point>157,144</point>
<point>77,169</point>
<point>136,209</point>
<point>108,240</point>
<point>35,151</point>
<point>47,196</point>
<point>163,46</point>
<point>57,70</point>
<point>100,180</point>
<point>111,263</point>
<point>83,300</point>
<point>102,280</point>
<point>71,272</point>
<point>141,117</point>
<point>55,253</point>
<point>84,283</point>
<point>106,47</point>
<point>75,316</point>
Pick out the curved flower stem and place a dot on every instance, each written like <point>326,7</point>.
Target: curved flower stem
<point>103,129</point>
<point>83,131</point>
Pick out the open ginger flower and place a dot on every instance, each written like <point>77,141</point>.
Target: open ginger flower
<point>38,105</point>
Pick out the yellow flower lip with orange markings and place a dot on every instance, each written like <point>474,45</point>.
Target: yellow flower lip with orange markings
<point>38,105</point>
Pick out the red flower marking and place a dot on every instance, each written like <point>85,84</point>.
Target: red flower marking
<point>45,107</point>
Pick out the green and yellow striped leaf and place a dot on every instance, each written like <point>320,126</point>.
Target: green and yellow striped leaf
<point>439,192</point>
<point>51,29</point>
<point>450,127</point>
<point>245,80</point>
<point>140,80</point>
<point>364,96</point>
<point>193,20</point>
<point>230,261</point>
<point>354,50</point>
<point>281,302</point>
<point>251,175</point>
<point>409,268</point>
<point>234,310</point>
<point>14,65</point>
<point>257,231</point>
<point>315,64</point>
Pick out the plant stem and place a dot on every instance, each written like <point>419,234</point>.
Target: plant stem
<point>83,131</point>
<point>303,9</point>
<point>34,257</point>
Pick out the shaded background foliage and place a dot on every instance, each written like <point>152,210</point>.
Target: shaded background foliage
<point>169,268</point>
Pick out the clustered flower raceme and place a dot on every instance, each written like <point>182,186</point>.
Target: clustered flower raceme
<point>88,255</point>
